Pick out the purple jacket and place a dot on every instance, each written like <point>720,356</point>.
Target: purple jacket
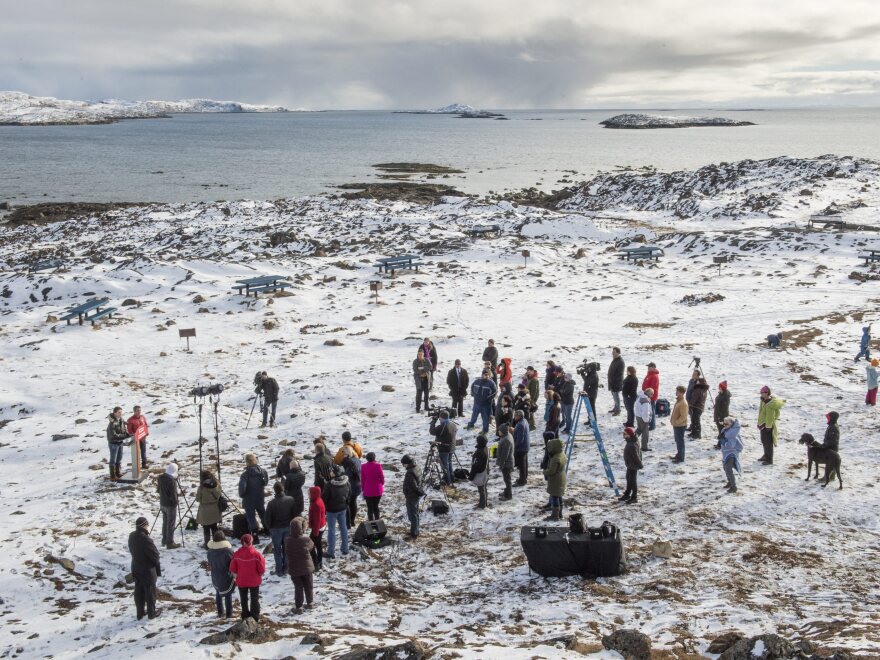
<point>372,479</point>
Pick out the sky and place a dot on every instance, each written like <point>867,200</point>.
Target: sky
<point>376,54</point>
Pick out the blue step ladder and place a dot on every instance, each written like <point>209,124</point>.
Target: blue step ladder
<point>583,402</point>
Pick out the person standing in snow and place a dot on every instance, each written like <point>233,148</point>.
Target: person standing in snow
<point>280,511</point>
<point>480,470</point>
<point>549,375</point>
<point>679,421</point>
<point>208,496</point>
<point>871,371</point>
<point>166,485</point>
<point>268,387</point>
<point>768,418</point>
<point>336,496</point>
<point>317,525</point>
<point>630,391</point>
<point>412,494</point>
<point>117,434</point>
<point>591,385</point>
<point>348,441</point>
<point>490,355</point>
<point>521,446</point>
<point>632,458</point>
<point>422,375</point>
<point>248,566</point>
<point>352,466</point>
<point>251,490</point>
<point>457,381</point>
<point>554,413</point>
<point>533,385</point>
<point>554,474</point>
<point>616,371</point>
<point>505,372</point>
<point>446,431</point>
<point>504,460</point>
<point>722,406</point>
<point>298,551</point>
<point>567,397</point>
<point>832,432</point>
<point>145,568</point>
<point>865,344</point>
<point>644,413</point>
<point>483,391</point>
<point>135,422</point>
<point>373,484</point>
<point>652,382</point>
<point>219,557</point>
<point>731,447</point>
<point>293,483</point>
<point>430,352</point>
<point>323,465</point>
<point>696,405</point>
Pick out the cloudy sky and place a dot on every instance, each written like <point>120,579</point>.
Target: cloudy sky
<point>488,53</point>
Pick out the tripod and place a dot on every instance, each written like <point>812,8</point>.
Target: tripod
<point>259,398</point>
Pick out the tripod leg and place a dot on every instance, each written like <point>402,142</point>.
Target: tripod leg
<point>180,525</point>
<point>154,521</point>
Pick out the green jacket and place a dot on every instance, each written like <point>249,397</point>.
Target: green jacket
<point>768,414</point>
<point>555,471</point>
<point>534,392</point>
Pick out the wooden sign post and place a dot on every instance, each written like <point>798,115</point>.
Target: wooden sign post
<point>187,332</point>
<point>525,255</point>
<point>720,260</point>
<point>375,287</point>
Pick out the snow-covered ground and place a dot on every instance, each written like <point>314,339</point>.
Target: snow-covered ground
<point>24,109</point>
<point>782,555</point>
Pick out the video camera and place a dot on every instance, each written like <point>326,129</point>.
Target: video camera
<point>201,391</point>
<point>434,413</point>
<point>585,366</point>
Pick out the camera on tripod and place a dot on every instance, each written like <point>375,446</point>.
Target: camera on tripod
<point>585,367</point>
<point>201,391</point>
<point>434,413</point>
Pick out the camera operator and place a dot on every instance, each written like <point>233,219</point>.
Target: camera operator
<point>590,374</point>
<point>445,431</point>
<point>457,380</point>
<point>268,387</point>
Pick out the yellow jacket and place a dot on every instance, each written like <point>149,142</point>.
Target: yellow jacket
<point>679,413</point>
<point>340,455</point>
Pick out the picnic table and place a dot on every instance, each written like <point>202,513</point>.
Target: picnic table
<point>81,312</point>
<point>483,230</point>
<point>391,264</point>
<point>826,221</point>
<point>45,264</point>
<point>871,254</point>
<point>639,252</point>
<point>261,283</point>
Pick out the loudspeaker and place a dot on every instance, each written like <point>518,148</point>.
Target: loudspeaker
<point>370,532</point>
<point>560,553</point>
<point>240,526</point>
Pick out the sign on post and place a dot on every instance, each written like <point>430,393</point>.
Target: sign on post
<point>525,255</point>
<point>375,287</point>
<point>720,260</point>
<point>186,332</point>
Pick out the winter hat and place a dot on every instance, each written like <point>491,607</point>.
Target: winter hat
<point>651,365</point>
<point>875,362</point>
<point>371,456</point>
<point>218,536</point>
<point>142,522</point>
<point>521,386</point>
<point>482,440</point>
<point>346,436</point>
<point>629,432</point>
<point>406,460</point>
<point>722,386</point>
<point>549,435</point>
<point>503,429</point>
<point>247,540</point>
<point>171,470</point>
<point>765,390</point>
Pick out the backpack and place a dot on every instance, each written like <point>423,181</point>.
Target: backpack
<point>663,408</point>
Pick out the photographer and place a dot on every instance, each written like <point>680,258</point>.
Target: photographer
<point>590,375</point>
<point>445,431</point>
<point>457,380</point>
<point>268,387</point>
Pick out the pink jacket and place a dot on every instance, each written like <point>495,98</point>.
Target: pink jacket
<point>372,479</point>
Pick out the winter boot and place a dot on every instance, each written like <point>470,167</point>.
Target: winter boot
<point>112,473</point>
<point>554,514</point>
<point>633,500</point>
<point>624,497</point>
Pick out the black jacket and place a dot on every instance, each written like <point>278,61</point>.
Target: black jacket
<point>490,354</point>
<point>631,386</point>
<point>336,494</point>
<point>280,511</point>
<point>270,389</point>
<point>412,483</point>
<point>293,486</point>
<point>455,389</point>
<point>432,358</point>
<point>167,487</point>
<point>352,467</point>
<point>283,466</point>
<point>591,384</point>
<point>219,557</point>
<point>722,406</point>
<point>144,555</point>
<point>832,434</point>
<point>117,431</point>
<point>504,417</point>
<point>567,392</point>
<point>445,434</point>
<point>252,484</point>
<point>479,461</point>
<point>698,395</point>
<point>323,467</point>
<point>632,455</point>
<point>615,374</point>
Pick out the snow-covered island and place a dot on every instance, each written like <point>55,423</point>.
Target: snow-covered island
<point>460,110</point>
<point>633,120</point>
<point>20,109</point>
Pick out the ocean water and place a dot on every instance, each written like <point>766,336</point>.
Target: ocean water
<point>267,156</point>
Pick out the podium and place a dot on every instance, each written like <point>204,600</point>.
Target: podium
<point>136,474</point>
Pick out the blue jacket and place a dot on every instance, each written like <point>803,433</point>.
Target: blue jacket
<point>866,338</point>
<point>251,485</point>
<point>483,390</point>
<point>732,445</point>
<point>872,376</point>
<point>521,436</point>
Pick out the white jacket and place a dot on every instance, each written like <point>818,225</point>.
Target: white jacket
<point>643,408</point>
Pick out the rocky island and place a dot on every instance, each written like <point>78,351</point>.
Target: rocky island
<point>630,120</point>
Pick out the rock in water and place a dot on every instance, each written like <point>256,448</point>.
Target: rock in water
<point>631,644</point>
<point>630,120</point>
<point>246,630</point>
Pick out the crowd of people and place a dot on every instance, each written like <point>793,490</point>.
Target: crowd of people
<point>501,402</point>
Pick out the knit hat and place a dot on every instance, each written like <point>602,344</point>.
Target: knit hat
<point>651,365</point>
<point>218,536</point>
<point>247,540</point>
<point>406,460</point>
<point>765,390</point>
<point>371,456</point>
<point>629,432</point>
<point>875,362</point>
<point>722,386</point>
<point>142,522</point>
<point>171,470</point>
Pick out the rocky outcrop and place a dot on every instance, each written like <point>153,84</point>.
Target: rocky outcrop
<point>630,120</point>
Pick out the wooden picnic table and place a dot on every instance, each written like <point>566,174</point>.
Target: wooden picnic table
<point>634,253</point>
<point>871,254</point>
<point>826,221</point>
<point>390,264</point>
<point>479,230</point>
<point>81,312</point>
<point>261,283</point>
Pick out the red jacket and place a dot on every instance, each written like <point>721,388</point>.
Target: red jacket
<point>248,564</point>
<point>652,380</point>
<point>317,511</point>
<point>504,371</point>
<point>135,422</point>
